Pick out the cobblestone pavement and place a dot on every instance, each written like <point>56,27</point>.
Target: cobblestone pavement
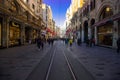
<point>16,63</point>
<point>103,63</point>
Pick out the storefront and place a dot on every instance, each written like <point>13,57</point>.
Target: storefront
<point>14,38</point>
<point>28,32</point>
<point>105,34</point>
<point>105,29</point>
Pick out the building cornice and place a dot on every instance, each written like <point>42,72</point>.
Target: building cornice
<point>27,8</point>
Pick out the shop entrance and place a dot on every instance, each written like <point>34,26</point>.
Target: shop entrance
<point>105,32</point>
<point>85,31</point>
<point>27,34</point>
<point>105,35</point>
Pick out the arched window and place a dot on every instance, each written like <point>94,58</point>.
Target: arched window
<point>106,12</point>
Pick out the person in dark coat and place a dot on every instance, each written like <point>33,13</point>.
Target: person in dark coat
<point>118,45</point>
<point>79,41</point>
<point>38,41</point>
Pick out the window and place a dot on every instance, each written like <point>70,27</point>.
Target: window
<point>27,1</point>
<point>33,6</point>
<point>94,3</point>
<point>107,12</point>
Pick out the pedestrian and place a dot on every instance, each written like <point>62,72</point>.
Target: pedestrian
<point>93,41</point>
<point>118,45</point>
<point>79,41</point>
<point>52,41</point>
<point>38,41</point>
<point>30,41</point>
<point>42,43</point>
<point>87,42</point>
<point>49,41</point>
<point>66,41</point>
<point>70,42</point>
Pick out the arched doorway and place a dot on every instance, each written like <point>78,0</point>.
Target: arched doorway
<point>92,22</point>
<point>85,31</point>
<point>105,32</point>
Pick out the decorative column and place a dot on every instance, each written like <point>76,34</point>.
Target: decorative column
<point>6,31</point>
<point>115,34</point>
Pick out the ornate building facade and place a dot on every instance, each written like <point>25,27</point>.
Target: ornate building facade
<point>18,23</point>
<point>98,19</point>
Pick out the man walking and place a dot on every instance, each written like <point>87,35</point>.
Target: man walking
<point>118,45</point>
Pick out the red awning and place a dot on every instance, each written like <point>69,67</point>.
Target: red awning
<point>49,30</point>
<point>69,30</point>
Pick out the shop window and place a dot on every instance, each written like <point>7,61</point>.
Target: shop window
<point>105,35</point>
<point>33,6</point>
<point>14,34</point>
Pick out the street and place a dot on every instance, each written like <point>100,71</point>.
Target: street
<point>59,62</point>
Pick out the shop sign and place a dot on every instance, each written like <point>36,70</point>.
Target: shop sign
<point>43,32</point>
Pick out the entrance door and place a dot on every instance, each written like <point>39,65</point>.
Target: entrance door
<point>85,31</point>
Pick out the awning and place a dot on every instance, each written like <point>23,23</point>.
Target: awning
<point>49,30</point>
<point>109,19</point>
<point>116,17</point>
<point>102,22</point>
<point>69,30</point>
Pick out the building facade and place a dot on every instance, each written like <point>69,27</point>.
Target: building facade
<point>48,19</point>
<point>19,24</point>
<point>99,20</point>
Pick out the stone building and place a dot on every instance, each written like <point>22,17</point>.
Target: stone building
<point>48,19</point>
<point>18,23</point>
<point>98,19</point>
